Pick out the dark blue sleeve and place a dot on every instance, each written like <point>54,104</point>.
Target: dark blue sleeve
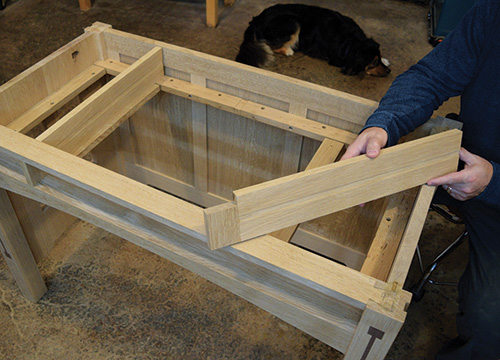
<point>491,195</point>
<point>443,73</point>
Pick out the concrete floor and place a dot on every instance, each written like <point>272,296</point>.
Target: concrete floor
<point>109,299</point>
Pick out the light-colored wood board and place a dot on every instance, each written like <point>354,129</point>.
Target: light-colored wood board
<point>311,309</point>
<point>55,101</point>
<point>389,233</point>
<point>222,223</point>
<point>402,262</point>
<point>329,248</point>
<point>242,152</point>
<point>109,153</point>
<point>256,97</point>
<point>97,28</point>
<point>161,136</point>
<point>354,127</point>
<point>112,67</point>
<point>16,252</point>
<point>255,111</point>
<point>254,224</point>
<point>94,119</point>
<point>97,180</point>
<point>339,281</point>
<point>249,109</point>
<point>375,333</point>
<point>45,77</point>
<point>343,228</point>
<point>352,171</point>
<point>296,198</point>
<point>326,154</point>
<point>328,101</point>
<point>199,126</point>
<point>173,186</point>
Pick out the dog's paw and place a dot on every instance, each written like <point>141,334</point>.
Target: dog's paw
<point>289,52</point>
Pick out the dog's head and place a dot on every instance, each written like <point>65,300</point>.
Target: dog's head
<point>365,57</point>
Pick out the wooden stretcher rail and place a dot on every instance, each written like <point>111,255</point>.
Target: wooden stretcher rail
<point>340,106</point>
<point>54,102</point>
<point>233,104</point>
<point>101,182</point>
<point>90,122</point>
<point>46,78</point>
<point>289,200</point>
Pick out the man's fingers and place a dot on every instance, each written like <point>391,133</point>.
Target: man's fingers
<point>369,142</point>
<point>352,151</point>
<point>466,156</point>
<point>373,149</point>
<point>448,179</point>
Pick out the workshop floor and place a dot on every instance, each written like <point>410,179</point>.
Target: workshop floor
<point>109,299</point>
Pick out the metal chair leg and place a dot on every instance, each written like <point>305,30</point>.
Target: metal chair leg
<point>418,289</point>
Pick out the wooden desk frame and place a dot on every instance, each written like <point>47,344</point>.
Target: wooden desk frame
<point>357,312</point>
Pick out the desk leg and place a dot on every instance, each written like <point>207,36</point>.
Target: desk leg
<point>16,252</point>
<point>85,4</point>
<point>375,333</point>
<point>212,13</point>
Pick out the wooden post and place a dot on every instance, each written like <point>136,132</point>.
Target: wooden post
<point>375,333</point>
<point>17,253</point>
<point>212,13</point>
<point>85,4</point>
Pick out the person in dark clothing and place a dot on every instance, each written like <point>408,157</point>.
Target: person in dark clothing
<point>466,63</point>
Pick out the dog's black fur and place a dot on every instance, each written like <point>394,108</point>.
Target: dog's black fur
<point>317,32</point>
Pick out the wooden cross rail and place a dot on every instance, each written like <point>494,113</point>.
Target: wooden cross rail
<point>83,128</point>
<point>54,171</point>
<point>296,198</point>
<point>58,99</point>
<point>236,105</point>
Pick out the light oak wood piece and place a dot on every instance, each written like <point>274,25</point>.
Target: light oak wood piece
<point>386,241</point>
<point>84,127</point>
<point>377,328</point>
<point>52,103</point>
<point>236,105</point>
<point>213,11</point>
<point>297,198</point>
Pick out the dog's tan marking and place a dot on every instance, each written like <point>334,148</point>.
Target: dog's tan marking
<point>290,45</point>
<point>377,68</point>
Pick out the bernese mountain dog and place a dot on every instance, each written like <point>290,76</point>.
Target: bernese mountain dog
<point>315,31</point>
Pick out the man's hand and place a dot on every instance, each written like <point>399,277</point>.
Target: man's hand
<point>469,182</point>
<point>369,142</point>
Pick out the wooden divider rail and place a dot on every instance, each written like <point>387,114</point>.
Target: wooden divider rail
<point>149,141</point>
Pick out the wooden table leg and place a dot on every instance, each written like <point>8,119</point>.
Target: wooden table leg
<point>212,13</point>
<point>375,333</point>
<point>16,252</point>
<point>85,4</point>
